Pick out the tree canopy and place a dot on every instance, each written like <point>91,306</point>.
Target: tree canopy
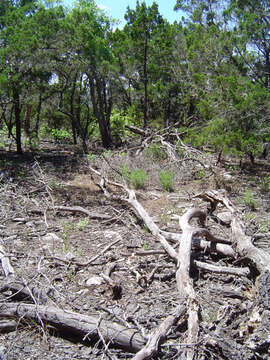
<point>71,70</point>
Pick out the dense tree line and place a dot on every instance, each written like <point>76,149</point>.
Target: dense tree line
<point>72,71</point>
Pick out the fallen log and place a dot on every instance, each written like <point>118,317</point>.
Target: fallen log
<point>74,325</point>
<point>183,280</point>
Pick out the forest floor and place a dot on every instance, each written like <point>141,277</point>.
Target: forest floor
<point>62,251</point>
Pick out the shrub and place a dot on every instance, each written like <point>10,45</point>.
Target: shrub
<point>157,152</point>
<point>166,180</point>
<point>265,184</point>
<point>249,200</point>
<point>125,171</point>
<point>61,135</point>
<point>137,178</point>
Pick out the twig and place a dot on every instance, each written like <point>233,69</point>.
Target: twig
<point>101,253</point>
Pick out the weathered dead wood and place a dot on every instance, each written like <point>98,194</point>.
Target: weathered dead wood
<point>222,269</point>
<point>183,257</point>
<point>223,249</point>
<point>108,247</point>
<point>81,327</point>
<point>24,292</point>
<point>7,267</point>
<point>136,130</point>
<point>184,282</point>
<point>90,214</point>
<point>7,326</point>
<point>159,335</point>
<point>242,242</point>
<point>140,211</point>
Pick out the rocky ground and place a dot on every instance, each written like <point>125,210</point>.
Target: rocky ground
<point>62,251</point>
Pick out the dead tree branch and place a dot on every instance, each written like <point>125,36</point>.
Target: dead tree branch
<point>81,327</point>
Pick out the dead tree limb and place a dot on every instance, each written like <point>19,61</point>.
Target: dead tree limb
<point>221,269</point>
<point>6,265</point>
<point>136,130</point>
<point>139,210</point>
<point>90,214</point>
<point>184,282</point>
<point>81,327</point>
<point>159,335</point>
<point>242,242</point>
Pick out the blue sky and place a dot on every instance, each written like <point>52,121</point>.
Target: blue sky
<point>117,8</point>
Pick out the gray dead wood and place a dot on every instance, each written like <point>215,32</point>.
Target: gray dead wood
<point>222,269</point>
<point>7,267</point>
<point>90,214</point>
<point>140,211</point>
<point>136,130</point>
<point>108,247</point>
<point>242,242</point>
<point>223,249</point>
<point>7,326</point>
<point>159,335</point>
<point>77,326</point>
<point>23,292</point>
<point>184,282</point>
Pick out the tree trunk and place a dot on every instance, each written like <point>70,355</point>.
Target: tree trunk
<point>73,121</point>
<point>102,106</point>
<point>145,79</point>
<point>17,110</point>
<point>37,125</point>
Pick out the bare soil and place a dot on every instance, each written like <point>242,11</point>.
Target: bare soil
<point>47,248</point>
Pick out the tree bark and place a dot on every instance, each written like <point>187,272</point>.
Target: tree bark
<point>82,327</point>
<point>17,112</point>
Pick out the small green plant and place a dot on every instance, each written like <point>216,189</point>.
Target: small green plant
<point>65,240</point>
<point>156,152</point>
<point>249,217</point>
<point>124,171</point>
<point>60,135</point>
<point>144,245</point>
<point>91,157</point>
<point>21,174</point>
<point>82,224</point>
<point>70,273</point>
<point>249,200</point>
<point>107,153</point>
<point>164,218</point>
<point>265,184</point>
<point>263,228</point>
<point>138,178</point>
<point>166,180</point>
<point>200,174</point>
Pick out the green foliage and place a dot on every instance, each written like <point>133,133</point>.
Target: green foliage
<point>61,135</point>
<point>118,121</point>
<point>138,178</point>
<point>249,200</point>
<point>124,169</point>
<point>3,136</point>
<point>156,152</point>
<point>200,174</point>
<point>91,157</point>
<point>166,180</point>
<point>265,184</point>
<point>82,224</point>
